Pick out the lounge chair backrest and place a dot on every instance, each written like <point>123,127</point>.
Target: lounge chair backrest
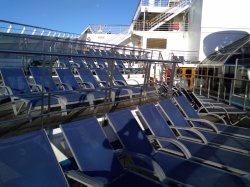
<point>87,76</point>
<point>195,100</point>
<point>16,80</point>
<point>78,60</point>
<point>65,61</point>
<point>66,76</point>
<point>129,132</point>
<point>120,64</point>
<point>173,114</point>
<point>90,62</point>
<point>91,149</point>
<point>186,107</point>
<point>156,123</point>
<point>42,76</point>
<point>101,63</point>
<point>28,160</point>
<point>102,74</point>
<point>118,75</point>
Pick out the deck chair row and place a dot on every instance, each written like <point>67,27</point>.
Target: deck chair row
<point>190,169</point>
<point>196,164</point>
<point>93,63</point>
<point>101,72</point>
<point>29,160</point>
<point>46,92</point>
<point>212,107</point>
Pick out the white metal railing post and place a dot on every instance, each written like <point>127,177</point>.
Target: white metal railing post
<point>9,29</point>
<point>208,90</point>
<point>235,73</point>
<point>34,31</point>
<point>245,96</point>
<point>42,33</point>
<point>218,92</point>
<point>23,30</point>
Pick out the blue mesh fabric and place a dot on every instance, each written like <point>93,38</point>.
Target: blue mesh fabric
<point>87,76</point>
<point>28,160</point>
<point>15,79</point>
<point>42,76</point>
<point>129,132</point>
<point>91,149</point>
<point>186,107</point>
<point>156,122</point>
<point>173,113</point>
<point>66,76</point>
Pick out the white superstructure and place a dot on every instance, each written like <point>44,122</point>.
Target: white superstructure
<point>189,28</point>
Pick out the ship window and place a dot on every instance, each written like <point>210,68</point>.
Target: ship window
<point>156,43</point>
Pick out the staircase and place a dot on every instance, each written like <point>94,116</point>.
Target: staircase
<point>164,17</point>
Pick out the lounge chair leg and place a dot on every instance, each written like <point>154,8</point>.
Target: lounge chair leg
<point>90,98</point>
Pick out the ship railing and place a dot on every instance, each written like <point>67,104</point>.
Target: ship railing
<point>186,57</point>
<point>19,28</point>
<point>41,115</point>
<point>233,91</point>
<point>108,28</point>
<point>156,3</point>
<point>40,45</point>
<point>168,26</point>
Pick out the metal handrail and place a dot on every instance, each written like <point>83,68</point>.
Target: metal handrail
<point>20,28</point>
<point>108,28</point>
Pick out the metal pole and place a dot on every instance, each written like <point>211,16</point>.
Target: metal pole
<point>245,97</point>
<point>208,90</point>
<point>218,92</point>
<point>144,17</point>
<point>235,72</point>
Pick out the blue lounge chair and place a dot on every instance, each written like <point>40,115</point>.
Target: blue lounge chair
<point>28,160</point>
<point>90,62</point>
<point>96,159</point>
<point>211,155</point>
<point>17,88</point>
<point>64,62</point>
<point>42,77</point>
<point>213,107</point>
<point>228,142</point>
<point>120,65</point>
<point>101,63</point>
<point>89,79</point>
<point>78,62</point>
<point>186,171</point>
<point>67,77</point>
<point>104,78</point>
<point>137,88</point>
<point>218,128</point>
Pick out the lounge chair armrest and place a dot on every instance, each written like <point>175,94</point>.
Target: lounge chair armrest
<point>83,179</point>
<point>120,82</point>
<point>7,89</point>
<point>89,84</point>
<point>156,167</point>
<point>104,83</point>
<point>214,115</point>
<point>206,122</point>
<point>194,131</point>
<point>176,143</point>
<point>36,87</point>
<point>134,81</point>
<point>65,86</point>
<point>77,65</point>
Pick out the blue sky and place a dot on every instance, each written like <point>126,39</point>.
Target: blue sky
<point>68,15</point>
